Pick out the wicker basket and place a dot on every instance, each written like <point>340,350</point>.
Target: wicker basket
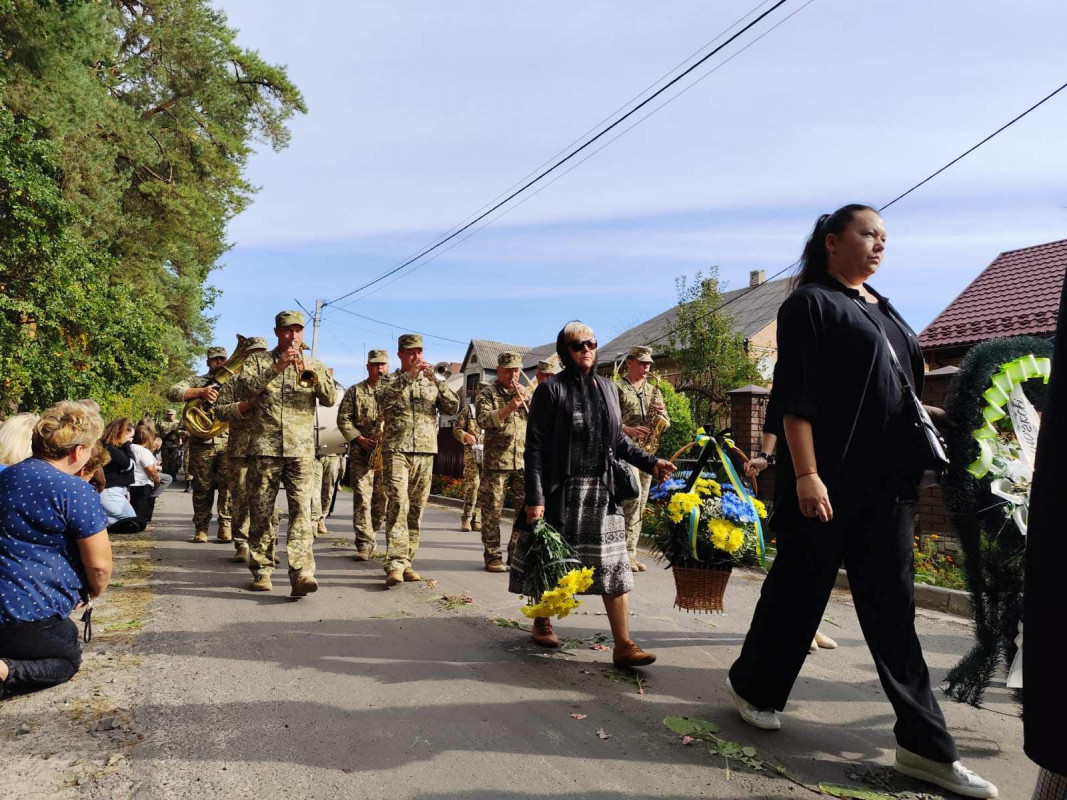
<point>701,589</point>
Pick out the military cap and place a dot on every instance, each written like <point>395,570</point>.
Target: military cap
<point>170,412</point>
<point>641,353</point>
<point>286,318</point>
<point>216,352</point>
<point>549,365</point>
<point>256,343</point>
<point>377,357</point>
<point>409,341</point>
<point>509,359</point>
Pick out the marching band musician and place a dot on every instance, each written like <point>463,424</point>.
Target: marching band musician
<point>207,465</point>
<point>281,448</point>
<point>357,418</point>
<point>502,410</point>
<point>641,401</point>
<point>410,402</point>
<point>237,450</point>
<point>468,433</point>
<point>548,368</point>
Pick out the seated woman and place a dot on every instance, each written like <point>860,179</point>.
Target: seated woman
<point>54,552</point>
<point>574,428</point>
<point>16,434</point>
<point>119,474</point>
<point>149,481</point>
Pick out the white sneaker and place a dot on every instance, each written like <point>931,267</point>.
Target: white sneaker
<point>763,718</point>
<point>954,777</point>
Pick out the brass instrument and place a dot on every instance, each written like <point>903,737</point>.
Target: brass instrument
<point>198,415</point>
<point>442,370</point>
<point>527,391</point>
<point>305,378</point>
<point>376,454</point>
<point>655,424</point>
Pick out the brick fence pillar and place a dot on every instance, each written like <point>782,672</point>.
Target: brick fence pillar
<point>932,516</point>
<point>748,409</point>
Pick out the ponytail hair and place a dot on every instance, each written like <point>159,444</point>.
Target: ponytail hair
<point>813,260</point>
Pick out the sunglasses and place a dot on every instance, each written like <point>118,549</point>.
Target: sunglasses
<point>577,347</point>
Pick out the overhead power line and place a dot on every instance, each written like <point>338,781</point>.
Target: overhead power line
<point>577,164</point>
<point>901,196</point>
<point>399,327</point>
<point>565,158</point>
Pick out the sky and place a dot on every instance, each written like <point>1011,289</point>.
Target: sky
<point>421,113</point>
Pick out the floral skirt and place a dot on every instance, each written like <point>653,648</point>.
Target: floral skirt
<point>592,524</point>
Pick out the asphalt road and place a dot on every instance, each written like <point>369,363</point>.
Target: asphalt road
<point>359,690</point>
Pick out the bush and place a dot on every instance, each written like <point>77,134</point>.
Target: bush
<point>682,429</point>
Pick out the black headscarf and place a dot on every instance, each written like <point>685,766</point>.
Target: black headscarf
<point>582,383</point>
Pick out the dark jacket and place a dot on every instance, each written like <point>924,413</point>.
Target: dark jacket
<point>119,470</point>
<point>834,369</point>
<point>1044,596</point>
<point>548,438</point>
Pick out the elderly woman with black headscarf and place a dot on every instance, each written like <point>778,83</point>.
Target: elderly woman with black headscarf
<point>573,436</point>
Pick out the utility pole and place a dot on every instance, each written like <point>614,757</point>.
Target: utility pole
<point>315,329</point>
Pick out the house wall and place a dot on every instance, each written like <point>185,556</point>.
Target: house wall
<point>763,347</point>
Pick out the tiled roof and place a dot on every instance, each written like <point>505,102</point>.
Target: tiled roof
<point>1019,293</point>
<point>752,311</point>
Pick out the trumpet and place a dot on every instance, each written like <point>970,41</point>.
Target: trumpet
<point>441,371</point>
<point>305,378</point>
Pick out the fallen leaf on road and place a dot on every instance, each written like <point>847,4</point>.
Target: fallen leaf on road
<point>431,583</point>
<point>688,740</point>
<point>602,734</point>
<point>504,622</point>
<point>598,647</point>
<point>852,792</point>
<point>579,716</point>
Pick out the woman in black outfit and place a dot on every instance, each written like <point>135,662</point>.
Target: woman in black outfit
<point>574,430</point>
<point>119,476</point>
<point>845,491</point>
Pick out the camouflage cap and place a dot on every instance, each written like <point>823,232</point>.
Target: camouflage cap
<point>256,343</point>
<point>286,318</point>
<point>509,359</point>
<point>170,412</point>
<point>641,353</point>
<point>377,357</point>
<point>549,365</point>
<point>407,341</point>
<point>217,351</point>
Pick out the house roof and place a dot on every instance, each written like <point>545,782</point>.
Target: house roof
<point>751,309</point>
<point>1019,293</point>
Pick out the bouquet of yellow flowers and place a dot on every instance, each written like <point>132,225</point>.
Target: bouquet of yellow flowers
<point>552,575</point>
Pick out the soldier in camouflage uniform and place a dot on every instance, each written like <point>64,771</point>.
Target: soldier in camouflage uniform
<point>281,449</point>
<point>410,402</point>
<point>640,400</point>
<point>358,418</point>
<point>468,433</point>
<point>170,430</point>
<point>237,467</point>
<point>502,410</point>
<point>548,368</point>
<point>328,472</point>
<point>206,455</point>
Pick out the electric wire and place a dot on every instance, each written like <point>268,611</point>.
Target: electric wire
<point>568,157</point>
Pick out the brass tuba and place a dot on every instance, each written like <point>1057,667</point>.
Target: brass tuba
<point>198,416</point>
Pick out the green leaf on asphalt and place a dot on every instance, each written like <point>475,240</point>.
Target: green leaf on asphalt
<point>853,792</point>
<point>399,613</point>
<point>685,726</point>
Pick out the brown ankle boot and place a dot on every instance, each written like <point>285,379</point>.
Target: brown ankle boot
<point>543,633</point>
<point>628,654</point>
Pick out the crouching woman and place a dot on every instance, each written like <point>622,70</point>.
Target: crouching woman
<point>54,552</point>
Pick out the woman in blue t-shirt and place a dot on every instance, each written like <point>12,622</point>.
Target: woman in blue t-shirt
<point>54,552</point>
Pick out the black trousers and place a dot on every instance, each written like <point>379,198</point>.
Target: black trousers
<point>39,654</point>
<point>874,539</point>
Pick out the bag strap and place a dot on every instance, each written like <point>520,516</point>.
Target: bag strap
<point>905,384</point>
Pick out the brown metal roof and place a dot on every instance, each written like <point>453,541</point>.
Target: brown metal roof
<point>1019,293</point>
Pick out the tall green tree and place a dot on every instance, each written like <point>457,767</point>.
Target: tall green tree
<point>712,356</point>
<point>127,127</point>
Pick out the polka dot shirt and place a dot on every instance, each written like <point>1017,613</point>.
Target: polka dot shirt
<point>42,513</point>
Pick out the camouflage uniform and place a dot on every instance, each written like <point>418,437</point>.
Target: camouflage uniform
<point>466,423</point>
<point>411,406</point>
<point>170,432</point>
<point>502,465</point>
<point>358,416</point>
<point>205,466</point>
<point>635,405</point>
<point>280,450</point>
<point>327,469</point>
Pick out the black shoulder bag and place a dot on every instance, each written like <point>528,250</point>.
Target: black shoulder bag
<point>929,447</point>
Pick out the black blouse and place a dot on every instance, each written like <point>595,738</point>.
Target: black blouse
<point>119,470</point>
<point>834,369</point>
